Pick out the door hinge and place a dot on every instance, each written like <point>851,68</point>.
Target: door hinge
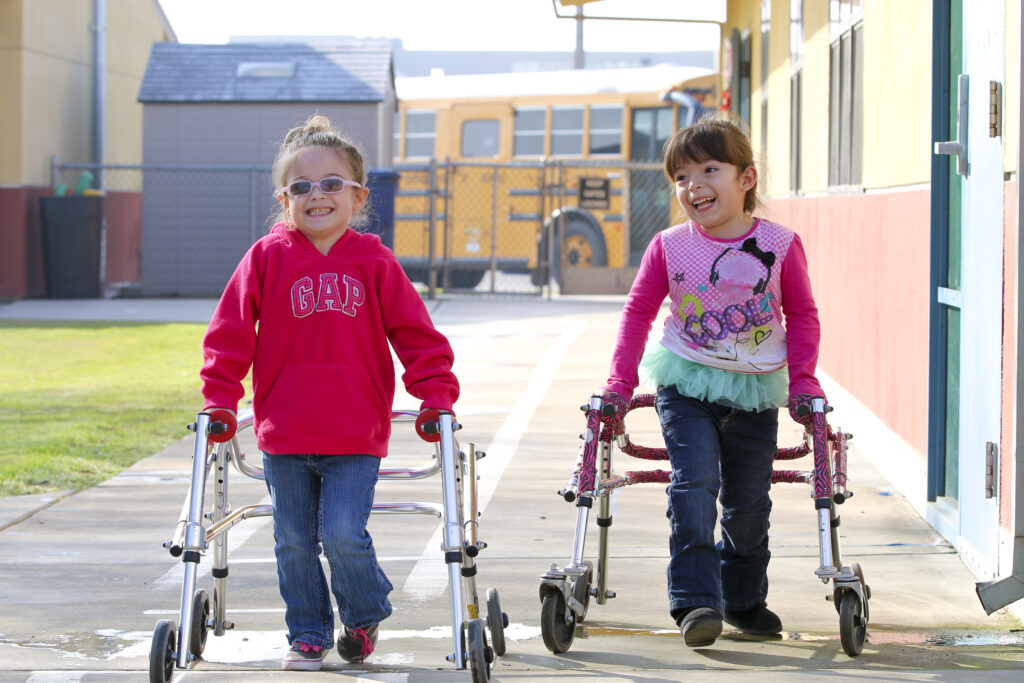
<point>991,451</point>
<point>995,109</point>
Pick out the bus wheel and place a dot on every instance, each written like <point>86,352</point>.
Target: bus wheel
<point>582,245</point>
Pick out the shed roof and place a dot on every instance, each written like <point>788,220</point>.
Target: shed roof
<point>349,71</point>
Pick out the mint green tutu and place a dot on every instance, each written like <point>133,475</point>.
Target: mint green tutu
<point>743,390</point>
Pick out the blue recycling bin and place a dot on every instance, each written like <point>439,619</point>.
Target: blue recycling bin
<point>383,184</point>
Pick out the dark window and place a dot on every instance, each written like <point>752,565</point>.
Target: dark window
<point>606,129</point>
<point>796,64</point>
<point>419,133</point>
<point>528,135</point>
<point>567,131</point>
<point>846,93</point>
<point>480,138</point>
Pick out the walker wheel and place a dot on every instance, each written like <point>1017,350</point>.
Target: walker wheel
<point>852,627</point>
<point>162,652</point>
<point>200,621</point>
<point>496,621</point>
<point>557,624</point>
<point>476,649</point>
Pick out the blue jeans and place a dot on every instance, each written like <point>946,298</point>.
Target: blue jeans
<point>714,448</point>
<point>324,500</point>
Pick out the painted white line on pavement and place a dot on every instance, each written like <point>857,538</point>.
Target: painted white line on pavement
<point>429,578</point>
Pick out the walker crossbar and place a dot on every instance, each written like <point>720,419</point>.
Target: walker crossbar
<point>565,591</point>
<point>196,532</point>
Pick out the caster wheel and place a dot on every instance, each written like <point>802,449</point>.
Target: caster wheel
<point>557,624</point>
<point>200,621</point>
<point>162,652</point>
<point>496,621</point>
<point>852,624</point>
<point>476,649</point>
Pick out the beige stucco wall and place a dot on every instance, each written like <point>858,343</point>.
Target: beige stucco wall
<point>897,92</point>
<point>814,105</point>
<point>46,61</point>
<point>10,81</point>
<point>1011,86</point>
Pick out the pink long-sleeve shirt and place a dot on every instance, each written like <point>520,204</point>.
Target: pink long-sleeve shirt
<point>728,299</point>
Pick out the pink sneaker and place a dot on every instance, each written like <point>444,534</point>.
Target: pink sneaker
<point>303,657</point>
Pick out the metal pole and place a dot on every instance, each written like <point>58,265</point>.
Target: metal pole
<point>577,57</point>
<point>494,228</point>
<point>431,277</point>
<point>99,84</point>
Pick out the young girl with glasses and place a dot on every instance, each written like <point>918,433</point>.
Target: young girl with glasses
<point>312,308</point>
<point>721,374</point>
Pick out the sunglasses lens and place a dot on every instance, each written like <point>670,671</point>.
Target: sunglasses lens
<point>332,185</point>
<point>300,188</point>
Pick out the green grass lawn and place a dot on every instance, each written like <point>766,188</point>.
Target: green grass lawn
<point>80,402</point>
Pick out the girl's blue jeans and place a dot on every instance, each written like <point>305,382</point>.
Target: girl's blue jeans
<point>717,451</point>
<point>323,501</point>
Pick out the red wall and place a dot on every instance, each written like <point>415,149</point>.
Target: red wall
<point>21,245</point>
<point>869,263</point>
<point>124,236</point>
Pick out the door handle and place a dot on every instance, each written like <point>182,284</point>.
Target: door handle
<point>958,147</point>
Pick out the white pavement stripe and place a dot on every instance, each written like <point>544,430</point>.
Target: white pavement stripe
<point>429,578</point>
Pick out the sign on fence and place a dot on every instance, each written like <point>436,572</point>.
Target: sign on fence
<point>595,193</point>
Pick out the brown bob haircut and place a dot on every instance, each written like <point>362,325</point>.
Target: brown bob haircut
<point>717,138</point>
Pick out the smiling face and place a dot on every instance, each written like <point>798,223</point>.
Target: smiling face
<point>323,218</point>
<point>712,193</point>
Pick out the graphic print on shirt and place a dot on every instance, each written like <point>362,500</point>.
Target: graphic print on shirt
<point>736,274</point>
<point>326,295</point>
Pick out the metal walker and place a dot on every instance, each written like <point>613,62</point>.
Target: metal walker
<point>182,645</point>
<point>565,592</point>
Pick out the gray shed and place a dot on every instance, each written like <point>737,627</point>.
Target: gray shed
<point>213,119</point>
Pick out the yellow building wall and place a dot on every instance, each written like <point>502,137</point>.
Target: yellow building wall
<point>47,60</point>
<point>1011,86</point>
<point>896,103</point>
<point>814,102</point>
<point>779,102</point>
<point>10,81</point>
<point>897,93</point>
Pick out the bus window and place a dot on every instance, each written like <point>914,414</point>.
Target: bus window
<point>480,138</point>
<point>419,133</point>
<point>606,129</point>
<point>567,131</point>
<point>529,132</point>
<point>651,128</point>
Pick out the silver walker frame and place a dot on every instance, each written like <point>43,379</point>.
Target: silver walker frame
<point>192,538</point>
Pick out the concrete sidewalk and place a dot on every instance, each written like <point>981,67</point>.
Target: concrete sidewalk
<point>83,577</point>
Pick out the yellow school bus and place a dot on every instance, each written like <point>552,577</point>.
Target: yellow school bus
<point>532,172</point>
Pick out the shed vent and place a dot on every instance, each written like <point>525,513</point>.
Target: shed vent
<point>265,70</point>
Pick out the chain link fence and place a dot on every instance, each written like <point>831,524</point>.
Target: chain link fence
<point>518,227</point>
<point>514,228</point>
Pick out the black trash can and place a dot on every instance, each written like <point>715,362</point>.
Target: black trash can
<point>383,184</point>
<point>71,246</point>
